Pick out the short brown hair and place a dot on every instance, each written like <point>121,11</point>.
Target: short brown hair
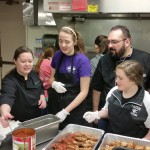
<point>20,50</point>
<point>133,71</point>
<point>124,29</point>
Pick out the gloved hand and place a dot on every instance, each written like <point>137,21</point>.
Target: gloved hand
<point>59,87</point>
<point>62,115</point>
<point>91,116</point>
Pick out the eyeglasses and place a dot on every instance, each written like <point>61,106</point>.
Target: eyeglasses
<point>113,42</point>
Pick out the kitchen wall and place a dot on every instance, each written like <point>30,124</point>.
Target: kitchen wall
<point>139,30</point>
<point>34,33</point>
<point>90,28</point>
<point>12,33</point>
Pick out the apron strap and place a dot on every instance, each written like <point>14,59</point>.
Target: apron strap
<point>59,64</point>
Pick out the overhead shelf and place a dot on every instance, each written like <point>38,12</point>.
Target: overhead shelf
<point>71,6</point>
<point>124,6</point>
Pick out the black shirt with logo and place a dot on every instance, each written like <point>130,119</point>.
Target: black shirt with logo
<point>22,95</point>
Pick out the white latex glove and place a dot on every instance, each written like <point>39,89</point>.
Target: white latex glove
<point>91,116</point>
<point>62,115</point>
<point>59,87</point>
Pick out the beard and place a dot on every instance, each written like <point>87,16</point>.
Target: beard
<point>117,55</point>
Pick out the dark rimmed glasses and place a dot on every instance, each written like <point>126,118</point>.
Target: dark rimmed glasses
<point>113,42</point>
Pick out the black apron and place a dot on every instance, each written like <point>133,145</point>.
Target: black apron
<point>122,123</point>
<point>59,101</point>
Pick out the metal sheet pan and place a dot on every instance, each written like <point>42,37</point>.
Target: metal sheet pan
<point>108,138</point>
<point>72,128</point>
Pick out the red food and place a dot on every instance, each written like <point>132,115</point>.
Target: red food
<point>75,141</point>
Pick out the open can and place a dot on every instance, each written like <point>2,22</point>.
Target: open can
<point>24,139</point>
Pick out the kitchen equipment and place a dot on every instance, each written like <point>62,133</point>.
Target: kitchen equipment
<point>72,128</point>
<point>46,127</point>
<point>109,137</point>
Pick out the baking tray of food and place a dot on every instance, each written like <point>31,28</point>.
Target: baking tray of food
<point>76,137</point>
<point>119,142</point>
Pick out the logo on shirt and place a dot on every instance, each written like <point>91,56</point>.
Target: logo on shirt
<point>36,82</point>
<point>69,69</point>
<point>135,110</point>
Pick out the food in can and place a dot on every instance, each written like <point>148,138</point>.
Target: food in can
<point>24,139</point>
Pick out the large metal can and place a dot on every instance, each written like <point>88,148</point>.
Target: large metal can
<point>24,139</point>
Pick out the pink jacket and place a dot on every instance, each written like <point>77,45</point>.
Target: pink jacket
<point>45,74</point>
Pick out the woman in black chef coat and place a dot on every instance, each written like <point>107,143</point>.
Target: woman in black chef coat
<point>128,104</point>
<point>22,94</point>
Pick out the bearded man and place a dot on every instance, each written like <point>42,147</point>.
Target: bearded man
<point>119,43</point>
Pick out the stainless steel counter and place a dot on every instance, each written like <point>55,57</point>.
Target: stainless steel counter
<point>7,144</point>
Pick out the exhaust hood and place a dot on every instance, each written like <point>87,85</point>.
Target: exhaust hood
<point>97,6</point>
<point>124,6</point>
<point>46,12</point>
<point>100,9</point>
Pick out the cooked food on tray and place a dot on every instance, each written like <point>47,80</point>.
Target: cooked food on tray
<point>129,145</point>
<point>76,141</point>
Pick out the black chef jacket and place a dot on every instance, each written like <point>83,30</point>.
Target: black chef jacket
<point>22,95</point>
<point>104,76</point>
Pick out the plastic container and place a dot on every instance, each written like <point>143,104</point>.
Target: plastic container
<point>24,139</point>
